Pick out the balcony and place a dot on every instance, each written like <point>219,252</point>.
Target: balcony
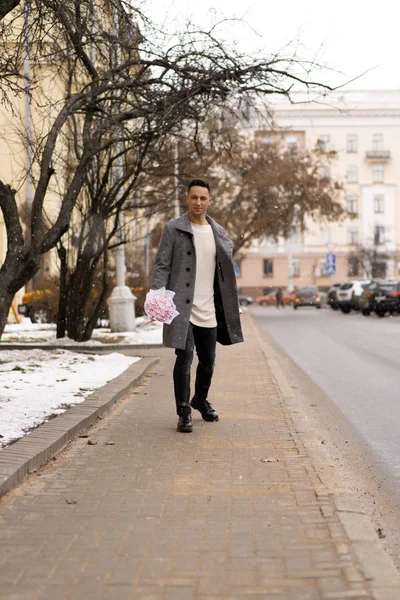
<point>381,155</point>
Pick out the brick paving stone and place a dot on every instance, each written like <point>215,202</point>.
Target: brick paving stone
<point>165,516</point>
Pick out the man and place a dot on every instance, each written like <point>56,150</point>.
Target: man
<point>194,260</point>
<point>279,298</point>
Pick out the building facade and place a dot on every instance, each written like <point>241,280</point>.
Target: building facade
<point>363,127</point>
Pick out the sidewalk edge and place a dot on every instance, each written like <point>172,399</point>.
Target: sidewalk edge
<point>42,444</point>
<point>374,561</point>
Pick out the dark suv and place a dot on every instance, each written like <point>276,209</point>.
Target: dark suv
<point>387,298</point>
<point>332,296</point>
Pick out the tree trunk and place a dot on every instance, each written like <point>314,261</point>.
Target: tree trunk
<point>96,312</point>
<point>75,312</point>
<point>83,308</point>
<point>5,305</point>
<point>6,6</point>
<point>14,274</point>
<point>62,303</point>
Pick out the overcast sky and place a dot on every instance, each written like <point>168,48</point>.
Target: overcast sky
<point>350,36</point>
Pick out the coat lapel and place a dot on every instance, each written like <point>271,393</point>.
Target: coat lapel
<point>183,224</point>
<point>220,239</point>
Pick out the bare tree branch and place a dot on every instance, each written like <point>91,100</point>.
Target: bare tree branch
<point>6,6</point>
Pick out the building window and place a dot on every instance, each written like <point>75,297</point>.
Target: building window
<point>325,235</point>
<point>266,139</point>
<point>353,266</point>
<point>377,142</point>
<point>379,204</point>
<point>378,270</point>
<point>324,172</point>
<point>296,267</point>
<point>292,142</point>
<point>377,174</point>
<point>324,143</point>
<point>352,236</point>
<point>379,235</point>
<point>351,142</point>
<point>295,237</point>
<point>268,266</point>
<point>352,205</point>
<point>352,175</point>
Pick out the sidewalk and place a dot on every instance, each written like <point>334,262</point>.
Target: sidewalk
<point>249,507</point>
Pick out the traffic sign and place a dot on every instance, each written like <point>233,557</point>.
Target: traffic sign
<point>330,264</point>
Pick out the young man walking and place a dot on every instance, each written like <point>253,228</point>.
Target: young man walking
<point>194,260</point>
<point>279,298</point>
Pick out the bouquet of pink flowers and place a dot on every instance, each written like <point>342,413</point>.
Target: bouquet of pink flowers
<point>159,305</point>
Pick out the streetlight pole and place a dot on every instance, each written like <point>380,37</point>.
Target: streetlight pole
<point>28,106</point>
<point>28,119</point>
<point>121,303</point>
<point>176,175</point>
<point>290,272</point>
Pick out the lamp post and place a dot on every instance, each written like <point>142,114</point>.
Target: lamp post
<point>176,175</point>
<point>121,303</point>
<point>28,119</point>
<point>28,107</point>
<point>290,272</point>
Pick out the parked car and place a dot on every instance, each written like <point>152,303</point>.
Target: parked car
<point>387,298</point>
<point>270,300</point>
<point>332,296</point>
<point>245,300</point>
<point>349,294</point>
<point>40,306</point>
<point>367,299</point>
<point>307,296</point>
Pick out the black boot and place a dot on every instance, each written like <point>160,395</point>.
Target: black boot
<point>185,424</point>
<point>205,408</point>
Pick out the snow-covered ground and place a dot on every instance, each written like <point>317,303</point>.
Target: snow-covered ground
<point>38,384</point>
<point>146,332</point>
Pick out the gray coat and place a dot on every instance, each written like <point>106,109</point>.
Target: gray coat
<point>175,268</point>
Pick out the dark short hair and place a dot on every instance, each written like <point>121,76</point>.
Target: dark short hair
<point>200,183</point>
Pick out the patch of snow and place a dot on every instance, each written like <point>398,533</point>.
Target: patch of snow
<point>146,332</point>
<point>37,384</point>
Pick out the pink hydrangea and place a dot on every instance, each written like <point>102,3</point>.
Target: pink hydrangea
<point>159,305</point>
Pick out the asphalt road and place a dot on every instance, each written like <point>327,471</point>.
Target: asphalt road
<point>355,361</point>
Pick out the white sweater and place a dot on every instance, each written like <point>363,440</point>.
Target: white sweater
<point>203,309</point>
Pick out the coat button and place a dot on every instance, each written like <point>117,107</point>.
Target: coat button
<point>189,252</point>
<point>188,269</point>
<point>188,285</point>
<point>187,301</point>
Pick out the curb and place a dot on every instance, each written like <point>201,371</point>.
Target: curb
<point>77,348</point>
<point>37,448</point>
<point>374,561</point>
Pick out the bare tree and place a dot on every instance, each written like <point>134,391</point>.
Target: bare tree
<point>148,91</point>
<point>95,231</point>
<point>372,260</point>
<point>263,191</point>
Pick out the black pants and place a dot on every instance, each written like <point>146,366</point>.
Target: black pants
<point>204,339</point>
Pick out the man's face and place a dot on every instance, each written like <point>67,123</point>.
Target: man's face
<point>198,200</point>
